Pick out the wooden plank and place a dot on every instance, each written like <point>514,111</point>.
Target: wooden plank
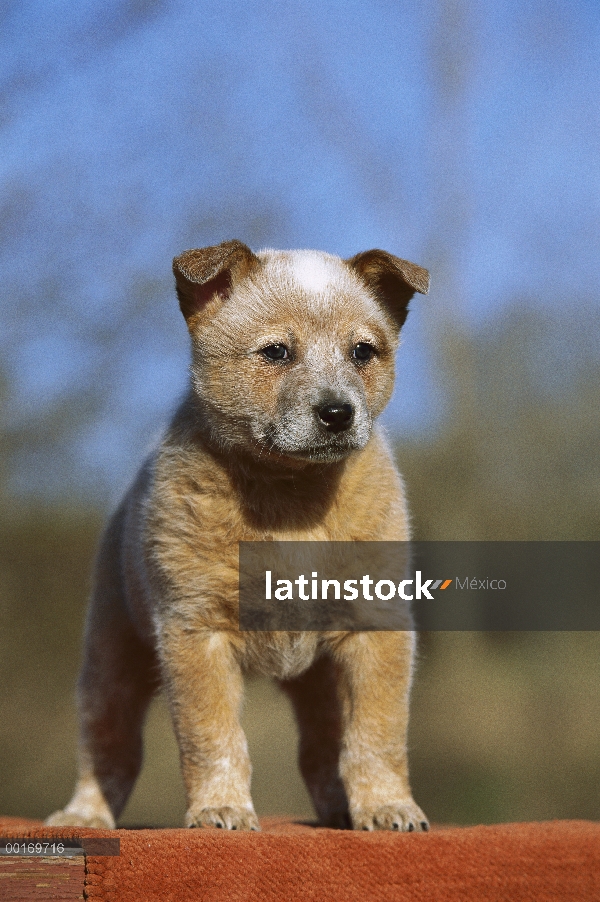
<point>50,879</point>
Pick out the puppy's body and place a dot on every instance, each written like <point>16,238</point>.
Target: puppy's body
<point>292,361</point>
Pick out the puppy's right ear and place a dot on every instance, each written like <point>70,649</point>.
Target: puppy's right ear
<point>202,274</point>
<point>393,280</point>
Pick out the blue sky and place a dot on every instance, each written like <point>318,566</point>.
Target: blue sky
<point>461,135</point>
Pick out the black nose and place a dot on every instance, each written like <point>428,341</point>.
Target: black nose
<point>336,417</point>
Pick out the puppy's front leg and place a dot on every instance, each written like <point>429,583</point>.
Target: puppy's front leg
<point>375,674</point>
<point>204,688</point>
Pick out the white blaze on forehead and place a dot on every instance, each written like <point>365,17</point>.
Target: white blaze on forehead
<point>313,271</point>
<point>319,277</point>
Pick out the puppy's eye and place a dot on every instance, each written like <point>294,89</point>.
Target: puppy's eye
<point>363,352</point>
<point>275,352</point>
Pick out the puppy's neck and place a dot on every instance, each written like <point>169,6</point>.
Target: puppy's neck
<point>279,498</point>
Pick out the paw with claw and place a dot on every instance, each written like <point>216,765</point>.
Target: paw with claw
<point>225,818</point>
<point>406,818</point>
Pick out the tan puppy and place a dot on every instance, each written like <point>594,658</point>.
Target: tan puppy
<point>293,359</point>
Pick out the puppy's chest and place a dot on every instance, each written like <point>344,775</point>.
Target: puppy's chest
<point>278,521</point>
<point>219,520</point>
<point>211,501</point>
<point>198,514</point>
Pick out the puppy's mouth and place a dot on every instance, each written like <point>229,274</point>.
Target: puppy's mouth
<point>334,449</point>
<point>323,454</point>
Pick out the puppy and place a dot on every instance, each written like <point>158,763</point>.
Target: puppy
<point>292,361</point>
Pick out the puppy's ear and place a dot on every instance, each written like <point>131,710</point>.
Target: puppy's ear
<point>203,273</point>
<point>394,281</point>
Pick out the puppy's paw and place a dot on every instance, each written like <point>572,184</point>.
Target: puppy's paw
<point>225,818</point>
<point>403,817</point>
<point>68,818</point>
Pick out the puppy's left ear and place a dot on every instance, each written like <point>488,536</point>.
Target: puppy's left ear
<point>210,272</point>
<point>393,281</point>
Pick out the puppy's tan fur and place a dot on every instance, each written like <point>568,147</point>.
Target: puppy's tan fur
<point>249,457</point>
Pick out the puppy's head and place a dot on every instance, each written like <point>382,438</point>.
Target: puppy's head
<point>293,351</point>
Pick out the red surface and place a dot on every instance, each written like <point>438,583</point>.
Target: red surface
<point>532,862</point>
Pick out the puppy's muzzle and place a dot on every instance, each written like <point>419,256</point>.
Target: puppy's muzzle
<point>335,416</point>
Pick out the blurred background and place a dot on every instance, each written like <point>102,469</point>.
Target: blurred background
<point>460,134</point>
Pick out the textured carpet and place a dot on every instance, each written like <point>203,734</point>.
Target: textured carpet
<point>532,862</point>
